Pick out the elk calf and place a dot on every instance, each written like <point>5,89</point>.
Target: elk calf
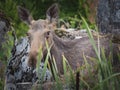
<point>41,31</point>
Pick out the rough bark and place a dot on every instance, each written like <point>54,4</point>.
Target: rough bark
<point>108,17</point>
<point>4,28</point>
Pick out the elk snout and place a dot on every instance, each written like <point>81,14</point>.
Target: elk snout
<point>32,59</point>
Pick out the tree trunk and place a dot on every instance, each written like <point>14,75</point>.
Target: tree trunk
<point>108,17</point>
<point>4,28</point>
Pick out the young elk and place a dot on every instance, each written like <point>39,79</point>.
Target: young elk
<point>42,30</point>
<point>37,29</point>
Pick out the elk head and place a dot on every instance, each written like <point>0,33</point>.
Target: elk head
<point>39,30</point>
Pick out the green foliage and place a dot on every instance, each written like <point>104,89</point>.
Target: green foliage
<point>106,75</point>
<point>70,11</point>
<point>6,47</point>
<point>5,53</point>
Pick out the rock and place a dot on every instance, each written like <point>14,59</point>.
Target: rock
<point>18,70</point>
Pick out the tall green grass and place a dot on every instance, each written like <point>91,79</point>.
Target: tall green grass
<point>107,79</point>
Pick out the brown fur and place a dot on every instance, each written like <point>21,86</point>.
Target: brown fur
<point>73,50</point>
<point>37,28</point>
<point>42,30</point>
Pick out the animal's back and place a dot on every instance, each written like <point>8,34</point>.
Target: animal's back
<point>80,49</point>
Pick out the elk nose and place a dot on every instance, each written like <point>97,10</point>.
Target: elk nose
<point>32,59</point>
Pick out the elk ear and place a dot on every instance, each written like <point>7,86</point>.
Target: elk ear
<point>24,15</point>
<point>52,13</point>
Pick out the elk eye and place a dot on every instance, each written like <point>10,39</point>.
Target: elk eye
<point>47,34</point>
<point>27,34</point>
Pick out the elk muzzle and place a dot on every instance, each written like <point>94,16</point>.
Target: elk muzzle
<point>32,59</point>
